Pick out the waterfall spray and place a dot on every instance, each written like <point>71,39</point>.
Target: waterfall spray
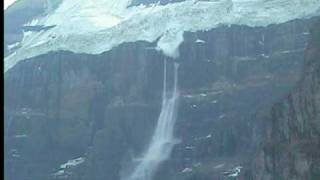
<point>162,140</point>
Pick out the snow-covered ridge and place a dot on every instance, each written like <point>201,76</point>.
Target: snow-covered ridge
<point>96,26</point>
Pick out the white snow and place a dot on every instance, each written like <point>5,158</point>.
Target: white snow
<point>292,51</point>
<point>73,162</point>
<point>7,3</point>
<point>200,41</point>
<point>14,45</point>
<point>96,26</point>
<point>236,171</point>
<point>21,136</point>
<point>188,96</point>
<point>60,172</point>
<point>186,170</point>
<point>169,43</point>
<point>70,163</point>
<point>205,137</point>
<point>214,101</point>
<point>190,147</point>
<point>33,22</point>
<point>306,33</point>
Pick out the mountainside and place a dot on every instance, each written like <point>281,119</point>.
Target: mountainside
<point>243,112</point>
<point>291,147</point>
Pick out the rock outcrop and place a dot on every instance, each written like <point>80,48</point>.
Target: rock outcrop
<point>291,147</point>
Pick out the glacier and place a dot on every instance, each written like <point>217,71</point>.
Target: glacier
<point>97,26</point>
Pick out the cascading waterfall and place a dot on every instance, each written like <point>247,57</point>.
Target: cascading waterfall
<point>163,140</point>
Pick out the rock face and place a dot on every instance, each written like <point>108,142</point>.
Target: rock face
<point>291,147</point>
<point>86,117</point>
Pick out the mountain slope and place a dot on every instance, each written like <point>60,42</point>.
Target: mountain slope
<point>90,116</point>
<point>291,149</point>
<point>103,108</point>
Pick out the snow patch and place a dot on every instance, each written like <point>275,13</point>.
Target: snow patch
<point>186,170</point>
<point>70,163</point>
<point>306,33</point>
<point>73,162</point>
<point>200,41</point>
<point>12,46</point>
<point>21,136</point>
<point>206,137</point>
<point>214,102</point>
<point>96,26</point>
<point>190,147</point>
<point>59,173</point>
<point>235,172</point>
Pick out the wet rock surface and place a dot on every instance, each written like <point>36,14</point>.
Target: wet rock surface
<point>103,108</point>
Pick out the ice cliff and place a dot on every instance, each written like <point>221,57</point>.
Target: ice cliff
<point>93,27</point>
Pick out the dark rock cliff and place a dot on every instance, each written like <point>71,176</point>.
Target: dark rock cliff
<point>291,147</point>
<point>103,108</point>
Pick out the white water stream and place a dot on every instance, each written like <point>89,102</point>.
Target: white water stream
<point>163,140</point>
